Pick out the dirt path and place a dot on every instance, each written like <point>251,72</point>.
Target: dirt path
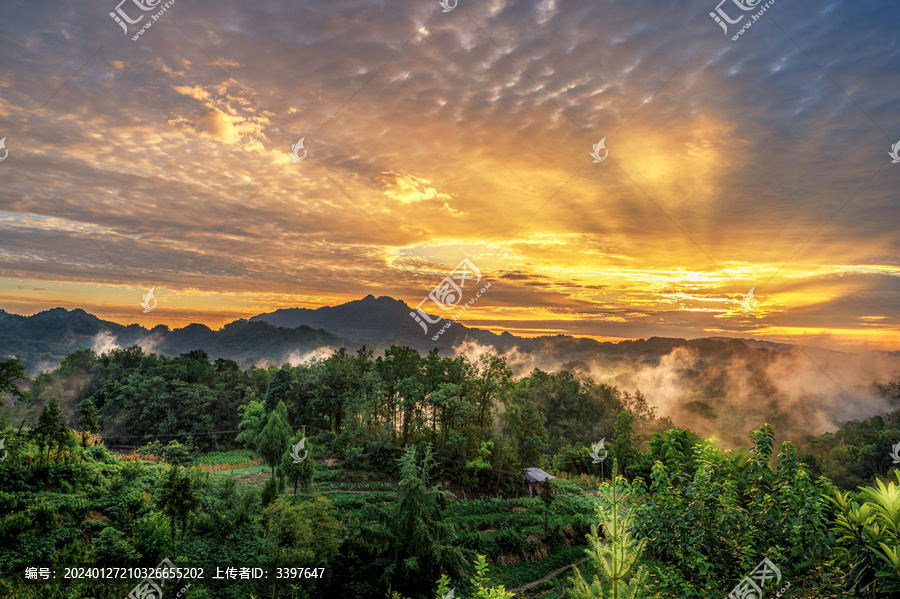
<point>547,577</point>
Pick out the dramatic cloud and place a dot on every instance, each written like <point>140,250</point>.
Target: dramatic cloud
<point>164,162</point>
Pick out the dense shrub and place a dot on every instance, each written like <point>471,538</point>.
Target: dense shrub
<point>868,543</point>
<point>706,535</point>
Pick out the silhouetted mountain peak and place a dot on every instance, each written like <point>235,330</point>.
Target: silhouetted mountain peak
<point>377,322</point>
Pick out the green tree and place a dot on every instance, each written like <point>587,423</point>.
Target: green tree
<point>493,376</point>
<point>617,557</point>
<point>176,453</point>
<point>253,419</point>
<point>154,448</point>
<point>788,511</point>
<point>527,433</point>
<point>747,511</point>
<point>298,473</point>
<point>578,411</point>
<point>282,387</point>
<point>269,491</point>
<point>111,548</point>
<point>675,449</point>
<point>274,439</point>
<point>87,419</point>
<point>622,446</point>
<point>413,542</point>
<point>335,387</point>
<point>307,533</point>
<point>695,558</point>
<point>476,468</point>
<point>547,495</point>
<point>52,429</point>
<point>12,375</point>
<point>399,364</point>
<point>177,496</point>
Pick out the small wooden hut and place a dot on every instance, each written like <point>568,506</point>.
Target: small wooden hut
<point>533,478</point>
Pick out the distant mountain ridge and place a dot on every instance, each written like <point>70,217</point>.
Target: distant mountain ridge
<point>45,338</point>
<point>375,321</point>
<point>40,341</point>
<point>381,321</point>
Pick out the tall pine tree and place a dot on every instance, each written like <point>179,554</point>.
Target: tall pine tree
<point>412,540</point>
<point>617,559</point>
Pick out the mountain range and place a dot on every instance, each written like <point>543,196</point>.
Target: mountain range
<point>43,339</point>
<point>715,385</point>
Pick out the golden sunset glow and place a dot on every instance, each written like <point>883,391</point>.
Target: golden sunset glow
<point>468,136</point>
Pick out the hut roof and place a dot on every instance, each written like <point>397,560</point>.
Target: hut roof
<point>536,475</point>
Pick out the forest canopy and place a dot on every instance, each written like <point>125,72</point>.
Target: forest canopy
<point>402,475</point>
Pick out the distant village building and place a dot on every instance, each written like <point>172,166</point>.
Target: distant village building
<point>533,478</point>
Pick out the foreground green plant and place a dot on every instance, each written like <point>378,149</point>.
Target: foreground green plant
<point>480,581</point>
<point>617,559</point>
<point>868,537</point>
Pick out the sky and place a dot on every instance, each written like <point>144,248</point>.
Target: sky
<point>748,159</point>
